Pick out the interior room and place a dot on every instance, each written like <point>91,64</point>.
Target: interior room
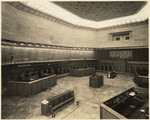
<point>75,59</point>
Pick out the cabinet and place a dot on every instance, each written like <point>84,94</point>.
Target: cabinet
<point>96,81</point>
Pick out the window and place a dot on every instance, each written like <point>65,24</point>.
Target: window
<point>127,38</point>
<point>119,36</point>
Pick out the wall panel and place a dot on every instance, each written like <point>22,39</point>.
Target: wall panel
<point>139,36</point>
<point>16,54</point>
<point>140,54</point>
<point>21,26</point>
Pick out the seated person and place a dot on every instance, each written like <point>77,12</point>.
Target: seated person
<point>26,76</point>
<point>111,74</point>
<point>46,73</point>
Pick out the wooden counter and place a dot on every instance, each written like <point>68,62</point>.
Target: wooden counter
<point>141,78</point>
<point>81,72</point>
<point>108,111</point>
<point>31,88</point>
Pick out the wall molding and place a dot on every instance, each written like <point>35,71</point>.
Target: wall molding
<point>6,42</point>
<point>137,62</point>
<point>21,7</point>
<point>123,26</point>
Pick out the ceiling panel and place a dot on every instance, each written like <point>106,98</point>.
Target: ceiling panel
<point>99,11</point>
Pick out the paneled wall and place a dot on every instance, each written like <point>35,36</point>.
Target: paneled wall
<point>139,36</point>
<point>140,54</point>
<point>21,26</point>
<point>133,66</point>
<point>121,66</point>
<point>18,54</point>
<point>122,60</point>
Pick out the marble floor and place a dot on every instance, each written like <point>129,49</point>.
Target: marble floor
<point>17,107</point>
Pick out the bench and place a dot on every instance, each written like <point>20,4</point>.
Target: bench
<point>57,102</point>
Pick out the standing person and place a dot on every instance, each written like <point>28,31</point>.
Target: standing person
<point>53,114</point>
<point>77,103</point>
<point>12,58</point>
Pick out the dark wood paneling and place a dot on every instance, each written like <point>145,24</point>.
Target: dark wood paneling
<point>137,54</point>
<point>140,54</point>
<point>18,54</point>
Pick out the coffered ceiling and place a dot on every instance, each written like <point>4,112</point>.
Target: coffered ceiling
<point>100,11</point>
<point>87,15</point>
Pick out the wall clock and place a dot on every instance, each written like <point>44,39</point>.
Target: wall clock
<point>51,37</point>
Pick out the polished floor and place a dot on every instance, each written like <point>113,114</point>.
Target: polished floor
<point>15,107</point>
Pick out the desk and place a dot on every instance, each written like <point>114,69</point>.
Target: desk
<point>81,72</point>
<point>141,78</point>
<point>96,81</point>
<point>125,105</point>
<point>31,88</point>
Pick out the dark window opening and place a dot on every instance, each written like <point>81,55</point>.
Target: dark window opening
<point>117,38</point>
<point>127,38</point>
<point>120,36</point>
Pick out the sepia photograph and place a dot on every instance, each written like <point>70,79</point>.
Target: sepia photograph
<point>75,59</point>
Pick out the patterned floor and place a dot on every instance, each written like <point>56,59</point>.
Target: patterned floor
<point>15,107</point>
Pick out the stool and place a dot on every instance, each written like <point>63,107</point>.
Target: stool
<point>45,107</point>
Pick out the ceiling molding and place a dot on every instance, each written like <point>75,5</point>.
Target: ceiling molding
<point>21,7</point>
<point>27,9</point>
<point>123,26</point>
<point>59,12</point>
